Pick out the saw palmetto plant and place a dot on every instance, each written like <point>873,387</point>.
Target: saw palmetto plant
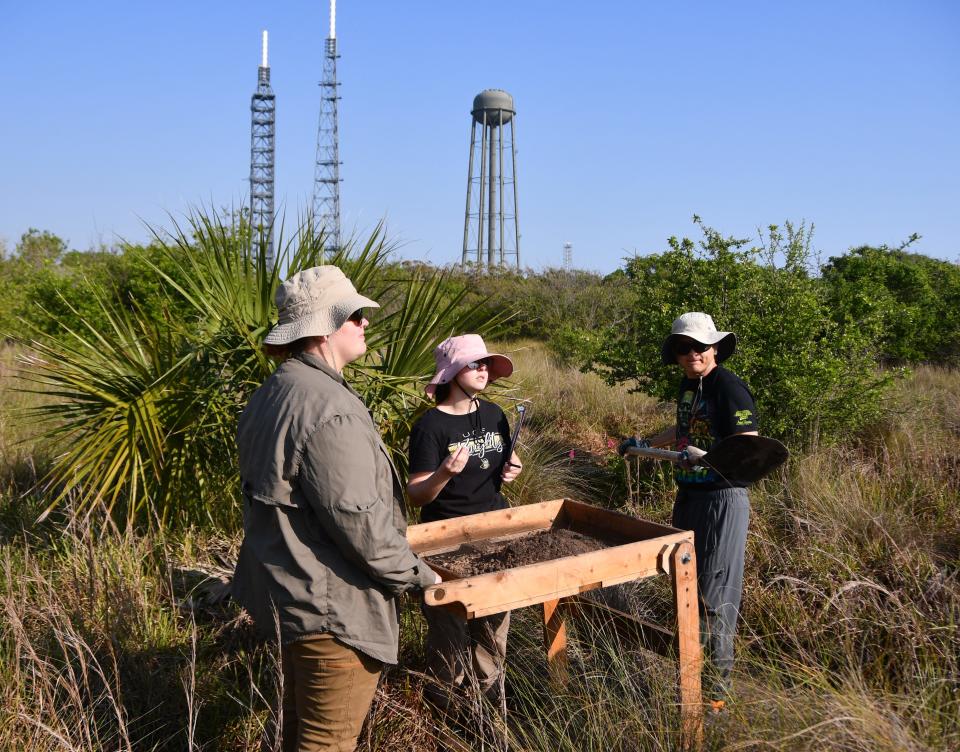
<point>144,412</point>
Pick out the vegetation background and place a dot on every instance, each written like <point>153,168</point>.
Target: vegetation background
<point>125,370</point>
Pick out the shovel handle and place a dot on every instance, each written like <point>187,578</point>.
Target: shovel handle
<point>521,414</point>
<point>659,454</point>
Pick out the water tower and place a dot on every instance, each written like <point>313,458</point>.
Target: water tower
<point>491,230</point>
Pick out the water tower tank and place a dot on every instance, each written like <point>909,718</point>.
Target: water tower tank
<point>496,104</point>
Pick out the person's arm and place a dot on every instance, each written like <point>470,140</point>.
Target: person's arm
<point>424,487</point>
<point>737,410</point>
<point>338,477</point>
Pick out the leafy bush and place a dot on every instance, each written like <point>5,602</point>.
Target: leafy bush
<point>557,306</point>
<point>49,287</point>
<point>809,374</point>
<point>910,302</point>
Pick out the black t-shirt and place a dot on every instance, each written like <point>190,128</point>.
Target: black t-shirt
<point>477,488</point>
<point>708,410</point>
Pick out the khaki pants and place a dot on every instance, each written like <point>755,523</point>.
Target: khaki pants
<point>327,690</point>
<point>464,652</point>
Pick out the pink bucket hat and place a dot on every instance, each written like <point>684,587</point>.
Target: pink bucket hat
<point>455,352</point>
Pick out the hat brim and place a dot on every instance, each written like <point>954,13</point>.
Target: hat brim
<point>501,367</point>
<point>320,323</point>
<point>725,342</point>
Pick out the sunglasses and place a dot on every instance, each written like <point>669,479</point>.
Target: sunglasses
<point>684,348</point>
<point>356,317</point>
<point>474,365</point>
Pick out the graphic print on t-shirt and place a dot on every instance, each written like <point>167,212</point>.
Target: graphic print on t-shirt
<point>479,446</point>
<point>486,434</point>
<point>694,423</point>
<point>709,409</point>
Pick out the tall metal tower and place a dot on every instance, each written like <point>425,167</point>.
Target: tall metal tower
<point>567,256</point>
<point>262,152</point>
<point>491,229</point>
<point>326,174</point>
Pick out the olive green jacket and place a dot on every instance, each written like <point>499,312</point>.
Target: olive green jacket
<point>324,547</point>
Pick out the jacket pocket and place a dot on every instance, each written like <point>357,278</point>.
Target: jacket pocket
<point>275,499</point>
<point>353,505</point>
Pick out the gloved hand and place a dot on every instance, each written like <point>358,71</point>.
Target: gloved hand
<point>632,443</point>
<point>692,459</point>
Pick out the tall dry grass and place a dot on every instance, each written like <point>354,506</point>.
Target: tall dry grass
<point>849,641</point>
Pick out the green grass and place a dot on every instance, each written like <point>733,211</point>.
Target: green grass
<point>850,636</point>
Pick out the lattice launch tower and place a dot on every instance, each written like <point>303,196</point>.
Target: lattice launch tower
<point>326,174</point>
<point>491,229</point>
<point>262,159</point>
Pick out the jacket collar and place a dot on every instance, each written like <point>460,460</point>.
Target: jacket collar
<point>315,361</point>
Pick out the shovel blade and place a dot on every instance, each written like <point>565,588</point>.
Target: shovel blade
<point>743,458</point>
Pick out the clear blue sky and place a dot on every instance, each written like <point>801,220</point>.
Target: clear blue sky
<point>632,116</point>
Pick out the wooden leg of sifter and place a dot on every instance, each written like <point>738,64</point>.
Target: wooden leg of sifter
<point>555,640</point>
<point>683,569</point>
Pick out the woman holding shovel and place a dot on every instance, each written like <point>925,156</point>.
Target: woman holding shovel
<point>713,405</point>
<point>460,454</point>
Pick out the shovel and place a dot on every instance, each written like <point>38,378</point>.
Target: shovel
<point>521,414</point>
<point>741,458</point>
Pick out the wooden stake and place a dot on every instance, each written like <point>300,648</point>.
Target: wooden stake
<point>684,575</point>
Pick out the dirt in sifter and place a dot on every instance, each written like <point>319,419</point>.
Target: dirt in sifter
<point>494,556</point>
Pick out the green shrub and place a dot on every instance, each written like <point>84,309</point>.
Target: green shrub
<point>809,375</point>
<point>910,302</point>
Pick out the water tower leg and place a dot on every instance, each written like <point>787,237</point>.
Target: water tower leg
<point>491,212</point>
<point>483,187</point>
<point>466,214</point>
<point>516,203</point>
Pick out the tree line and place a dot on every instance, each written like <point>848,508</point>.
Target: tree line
<point>153,348</point>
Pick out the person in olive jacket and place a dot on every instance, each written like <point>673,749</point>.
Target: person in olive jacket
<point>324,552</point>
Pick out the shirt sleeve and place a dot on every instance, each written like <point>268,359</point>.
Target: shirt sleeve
<point>338,476</point>
<point>426,452</point>
<point>737,412</point>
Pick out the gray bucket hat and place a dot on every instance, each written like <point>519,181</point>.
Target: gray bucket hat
<point>700,327</point>
<point>313,303</point>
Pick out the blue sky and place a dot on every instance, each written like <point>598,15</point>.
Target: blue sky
<point>632,116</point>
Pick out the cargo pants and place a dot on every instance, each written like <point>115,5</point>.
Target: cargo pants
<point>328,687</point>
<point>463,654</point>
<point>719,521</point>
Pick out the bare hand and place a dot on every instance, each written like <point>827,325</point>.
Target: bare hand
<point>454,463</point>
<point>512,469</point>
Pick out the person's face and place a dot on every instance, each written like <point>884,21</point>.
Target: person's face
<point>349,341</point>
<point>695,358</point>
<point>474,376</point>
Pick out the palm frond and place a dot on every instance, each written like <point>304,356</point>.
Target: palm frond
<point>145,413</point>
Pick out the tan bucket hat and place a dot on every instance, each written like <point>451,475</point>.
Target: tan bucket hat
<point>313,303</point>
<point>699,327</point>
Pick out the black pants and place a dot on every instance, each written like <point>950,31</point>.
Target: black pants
<point>719,521</point>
